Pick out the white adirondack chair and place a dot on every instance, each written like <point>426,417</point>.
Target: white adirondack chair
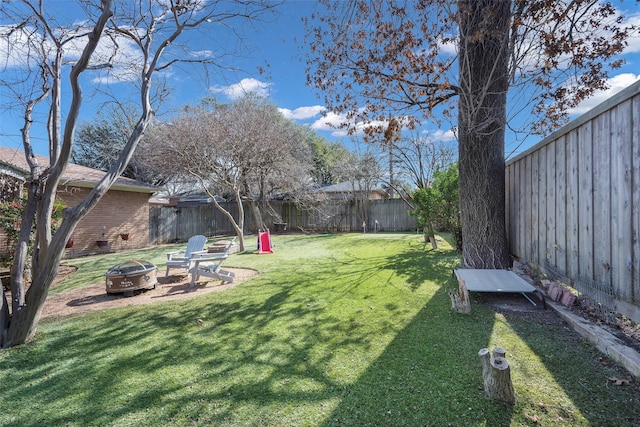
<point>208,265</point>
<point>180,259</point>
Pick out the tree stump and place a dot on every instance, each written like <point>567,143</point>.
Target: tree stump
<point>460,298</point>
<point>496,375</point>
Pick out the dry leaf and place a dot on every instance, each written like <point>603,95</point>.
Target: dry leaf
<point>618,381</point>
<point>533,418</point>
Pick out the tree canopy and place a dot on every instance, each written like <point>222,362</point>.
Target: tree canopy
<point>247,149</point>
<point>379,59</point>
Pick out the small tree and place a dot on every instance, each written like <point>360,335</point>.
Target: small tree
<point>247,149</point>
<point>445,186</point>
<point>438,206</point>
<point>100,141</point>
<point>426,201</point>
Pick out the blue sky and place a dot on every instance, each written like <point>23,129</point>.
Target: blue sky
<point>276,46</point>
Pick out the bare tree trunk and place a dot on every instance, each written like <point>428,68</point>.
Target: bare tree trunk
<point>22,248</point>
<point>4,316</point>
<point>483,52</point>
<point>238,225</point>
<point>25,319</point>
<point>430,235</point>
<point>257,215</point>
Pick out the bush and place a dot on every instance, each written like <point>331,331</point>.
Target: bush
<point>11,213</point>
<point>439,205</point>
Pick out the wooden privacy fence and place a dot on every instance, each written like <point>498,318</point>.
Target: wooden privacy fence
<point>573,204</point>
<point>173,224</point>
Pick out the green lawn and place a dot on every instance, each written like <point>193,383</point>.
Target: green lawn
<point>344,330</point>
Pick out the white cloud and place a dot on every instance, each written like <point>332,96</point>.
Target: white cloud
<point>442,135</point>
<point>616,84</point>
<point>20,49</point>
<point>331,122</point>
<point>243,87</point>
<point>633,43</point>
<point>302,113</point>
<point>449,47</point>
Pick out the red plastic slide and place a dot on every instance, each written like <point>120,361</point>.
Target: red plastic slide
<point>264,242</point>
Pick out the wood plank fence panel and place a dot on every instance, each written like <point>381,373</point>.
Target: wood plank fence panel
<point>517,248</point>
<point>512,197</point>
<point>391,216</point>
<point>635,202</point>
<point>172,224</point>
<point>584,183</point>
<point>508,201</point>
<point>542,206</point>
<point>520,207</point>
<point>525,197</point>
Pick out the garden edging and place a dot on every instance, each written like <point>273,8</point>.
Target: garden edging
<point>604,341</point>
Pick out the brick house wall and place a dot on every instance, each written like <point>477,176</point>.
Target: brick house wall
<point>123,209</point>
<point>116,213</point>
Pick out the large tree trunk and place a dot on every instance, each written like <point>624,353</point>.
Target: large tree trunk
<point>483,64</point>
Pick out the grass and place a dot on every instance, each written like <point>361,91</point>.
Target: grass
<point>337,330</point>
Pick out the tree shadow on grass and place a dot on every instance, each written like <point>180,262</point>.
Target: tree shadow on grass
<point>580,376</point>
<point>429,374</point>
<point>335,346</point>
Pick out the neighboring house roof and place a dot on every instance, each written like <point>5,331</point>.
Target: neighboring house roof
<point>13,162</point>
<point>349,187</point>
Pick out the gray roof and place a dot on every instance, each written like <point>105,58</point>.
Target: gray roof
<point>346,187</point>
<point>14,163</point>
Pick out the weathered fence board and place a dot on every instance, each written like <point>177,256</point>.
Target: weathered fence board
<point>602,200</point>
<point>621,155</point>
<point>635,202</point>
<point>550,218</point>
<point>513,231</point>
<point>560,245</point>
<point>525,215</point>
<point>534,241</point>
<point>542,206</point>
<point>572,213</point>
<point>584,203</point>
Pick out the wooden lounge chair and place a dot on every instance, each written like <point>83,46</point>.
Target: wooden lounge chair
<point>208,265</point>
<point>180,259</point>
